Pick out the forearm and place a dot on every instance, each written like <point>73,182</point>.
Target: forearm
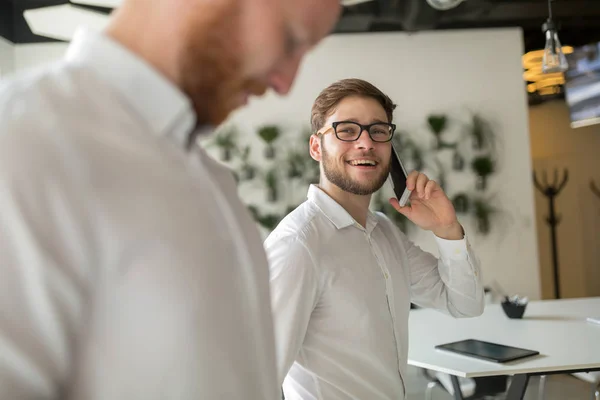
<point>450,283</point>
<point>452,232</point>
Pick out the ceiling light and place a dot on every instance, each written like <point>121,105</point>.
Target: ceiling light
<point>444,4</point>
<point>554,59</point>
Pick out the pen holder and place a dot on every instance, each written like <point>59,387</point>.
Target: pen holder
<point>513,310</point>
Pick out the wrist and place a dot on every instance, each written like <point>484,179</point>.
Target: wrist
<point>453,231</point>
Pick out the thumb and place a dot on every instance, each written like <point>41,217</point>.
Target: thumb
<point>406,210</point>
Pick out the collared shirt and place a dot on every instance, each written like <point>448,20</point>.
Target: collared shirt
<point>129,268</point>
<point>341,296</point>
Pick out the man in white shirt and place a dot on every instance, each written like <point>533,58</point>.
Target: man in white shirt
<point>129,268</point>
<point>342,277</point>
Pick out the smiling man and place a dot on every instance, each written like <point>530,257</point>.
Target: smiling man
<point>342,277</point>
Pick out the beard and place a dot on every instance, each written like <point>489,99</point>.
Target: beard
<point>212,65</point>
<point>338,177</point>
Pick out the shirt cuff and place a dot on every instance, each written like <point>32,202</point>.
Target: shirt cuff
<point>452,249</point>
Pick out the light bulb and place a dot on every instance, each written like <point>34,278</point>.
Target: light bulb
<point>554,59</point>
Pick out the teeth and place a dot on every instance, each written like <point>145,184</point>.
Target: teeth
<point>362,162</point>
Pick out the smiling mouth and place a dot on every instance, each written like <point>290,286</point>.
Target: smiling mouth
<point>366,164</point>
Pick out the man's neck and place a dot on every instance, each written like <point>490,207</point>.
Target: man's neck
<point>356,205</point>
<point>125,27</point>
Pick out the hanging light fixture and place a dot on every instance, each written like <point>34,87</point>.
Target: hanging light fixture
<point>554,59</point>
<point>443,5</point>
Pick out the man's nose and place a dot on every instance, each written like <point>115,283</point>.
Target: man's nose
<point>283,78</point>
<point>364,140</point>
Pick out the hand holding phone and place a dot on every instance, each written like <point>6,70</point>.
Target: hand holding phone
<point>398,177</point>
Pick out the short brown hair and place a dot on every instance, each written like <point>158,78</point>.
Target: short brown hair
<point>329,98</point>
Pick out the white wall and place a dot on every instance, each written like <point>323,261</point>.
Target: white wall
<point>445,71</point>
<point>7,58</point>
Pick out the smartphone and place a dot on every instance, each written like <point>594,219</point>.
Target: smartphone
<point>397,178</point>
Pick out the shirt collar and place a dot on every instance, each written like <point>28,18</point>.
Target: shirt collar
<point>166,110</point>
<point>335,212</point>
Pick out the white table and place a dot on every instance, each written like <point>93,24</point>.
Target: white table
<point>556,328</point>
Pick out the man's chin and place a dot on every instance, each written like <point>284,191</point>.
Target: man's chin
<point>361,189</point>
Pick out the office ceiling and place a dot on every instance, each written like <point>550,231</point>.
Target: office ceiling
<point>579,20</point>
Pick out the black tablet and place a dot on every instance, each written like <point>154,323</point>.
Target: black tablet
<point>487,351</point>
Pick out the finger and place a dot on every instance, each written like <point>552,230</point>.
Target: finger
<point>429,188</point>
<point>411,180</point>
<point>406,210</point>
<point>422,180</point>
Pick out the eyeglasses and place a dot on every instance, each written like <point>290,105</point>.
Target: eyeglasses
<point>348,131</point>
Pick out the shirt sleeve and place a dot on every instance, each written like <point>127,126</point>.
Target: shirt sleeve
<point>41,287</point>
<point>294,294</point>
<point>451,283</point>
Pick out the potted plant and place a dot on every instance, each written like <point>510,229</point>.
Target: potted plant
<point>483,211</point>
<point>481,133</point>
<point>271,182</point>
<point>437,125</point>
<point>461,203</point>
<point>412,154</point>
<point>248,171</point>
<point>458,161</point>
<point>483,166</point>
<point>269,134</point>
<point>441,175</point>
<point>295,164</point>
<point>225,140</point>
<point>268,221</point>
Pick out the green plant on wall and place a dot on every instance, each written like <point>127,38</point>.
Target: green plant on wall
<point>461,203</point>
<point>458,161</point>
<point>268,220</point>
<point>483,166</point>
<point>293,167</point>
<point>272,183</point>
<point>296,162</point>
<point>247,170</point>
<point>269,134</point>
<point>437,125</point>
<point>481,133</point>
<point>483,210</point>
<point>410,152</point>
<point>225,139</point>
<point>441,174</point>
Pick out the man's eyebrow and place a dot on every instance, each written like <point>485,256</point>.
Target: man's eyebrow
<point>373,121</point>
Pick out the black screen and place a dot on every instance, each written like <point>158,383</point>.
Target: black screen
<point>488,351</point>
<point>397,174</point>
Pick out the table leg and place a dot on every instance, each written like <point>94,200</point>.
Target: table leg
<point>457,392</point>
<point>518,386</point>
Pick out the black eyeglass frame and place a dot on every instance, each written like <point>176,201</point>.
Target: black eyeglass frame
<point>363,128</point>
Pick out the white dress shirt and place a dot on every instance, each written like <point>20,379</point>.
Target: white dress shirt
<point>129,268</point>
<point>341,296</point>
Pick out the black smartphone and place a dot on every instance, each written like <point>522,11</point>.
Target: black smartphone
<point>398,178</point>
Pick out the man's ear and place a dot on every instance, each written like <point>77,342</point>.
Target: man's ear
<point>315,147</point>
